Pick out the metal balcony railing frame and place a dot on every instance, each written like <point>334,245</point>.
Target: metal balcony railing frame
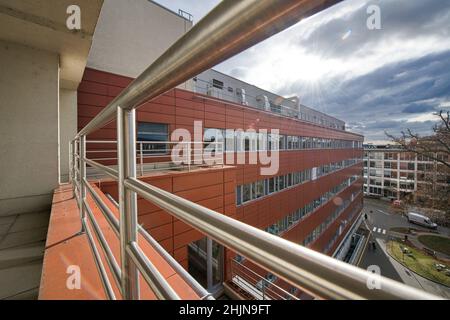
<point>187,160</point>
<point>267,290</point>
<point>230,28</point>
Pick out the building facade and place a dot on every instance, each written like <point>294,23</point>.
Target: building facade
<point>392,172</point>
<point>312,200</point>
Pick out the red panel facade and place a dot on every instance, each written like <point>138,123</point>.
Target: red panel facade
<point>216,188</point>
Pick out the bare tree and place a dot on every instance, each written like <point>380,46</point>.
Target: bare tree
<point>434,147</point>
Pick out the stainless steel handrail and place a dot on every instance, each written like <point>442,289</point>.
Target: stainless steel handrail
<point>227,30</point>
<point>114,223</point>
<point>316,273</point>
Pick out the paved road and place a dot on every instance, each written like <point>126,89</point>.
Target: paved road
<point>379,221</point>
<point>379,258</point>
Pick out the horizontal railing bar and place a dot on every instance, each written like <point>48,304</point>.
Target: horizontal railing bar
<point>108,214</point>
<point>101,151</point>
<point>108,170</point>
<point>268,287</point>
<point>98,262</point>
<point>264,279</point>
<point>198,288</point>
<point>316,273</point>
<point>151,274</point>
<point>110,259</point>
<point>230,28</point>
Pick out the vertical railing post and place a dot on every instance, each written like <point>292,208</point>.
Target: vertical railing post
<point>82,177</point>
<point>72,173</point>
<point>75,164</point>
<point>71,163</point>
<point>189,160</point>
<point>126,154</point>
<point>141,157</point>
<point>209,264</point>
<point>264,289</point>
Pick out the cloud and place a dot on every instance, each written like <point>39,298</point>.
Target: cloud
<point>418,108</point>
<point>375,80</point>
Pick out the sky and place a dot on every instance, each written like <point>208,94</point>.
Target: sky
<point>377,81</point>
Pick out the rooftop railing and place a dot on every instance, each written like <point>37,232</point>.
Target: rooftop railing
<point>227,30</point>
<point>287,108</point>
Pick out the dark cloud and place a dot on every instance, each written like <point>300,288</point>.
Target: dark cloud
<point>391,96</point>
<point>380,100</point>
<point>400,20</point>
<point>418,108</point>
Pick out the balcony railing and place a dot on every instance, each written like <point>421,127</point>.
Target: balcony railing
<point>154,156</point>
<point>227,30</point>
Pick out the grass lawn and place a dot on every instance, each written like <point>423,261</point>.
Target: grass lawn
<point>436,243</point>
<point>419,262</point>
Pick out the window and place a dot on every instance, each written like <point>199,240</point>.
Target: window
<point>246,193</point>
<point>281,183</point>
<point>239,195</point>
<point>217,84</point>
<point>153,132</point>
<point>259,189</point>
<point>282,144</point>
<point>290,179</point>
<point>272,185</point>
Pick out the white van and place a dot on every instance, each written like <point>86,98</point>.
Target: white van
<point>421,220</point>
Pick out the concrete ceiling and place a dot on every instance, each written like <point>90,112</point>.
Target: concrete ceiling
<point>41,24</point>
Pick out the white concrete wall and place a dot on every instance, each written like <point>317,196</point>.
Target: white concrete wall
<point>67,129</point>
<point>131,34</point>
<point>28,128</point>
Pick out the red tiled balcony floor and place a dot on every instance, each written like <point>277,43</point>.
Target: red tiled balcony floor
<point>66,247</point>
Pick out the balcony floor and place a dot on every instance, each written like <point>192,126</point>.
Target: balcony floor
<point>66,247</point>
<point>22,242</point>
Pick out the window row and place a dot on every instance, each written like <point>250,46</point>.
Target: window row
<point>255,190</point>
<point>295,217</point>
<point>338,232</point>
<point>255,141</point>
<point>320,229</point>
<point>258,189</point>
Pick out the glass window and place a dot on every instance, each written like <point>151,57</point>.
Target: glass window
<point>289,180</point>
<point>217,84</point>
<point>282,145</point>
<point>246,192</point>
<point>239,195</point>
<point>281,183</point>
<point>259,189</point>
<point>153,132</point>
<point>272,185</point>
